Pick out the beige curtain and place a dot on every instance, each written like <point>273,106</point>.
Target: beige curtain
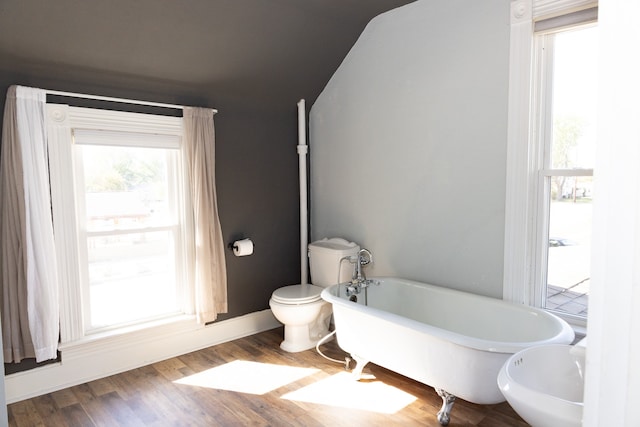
<point>15,323</point>
<point>210,268</point>
<point>28,274</point>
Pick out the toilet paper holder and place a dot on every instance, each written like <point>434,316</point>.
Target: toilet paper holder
<point>243,247</point>
<point>233,245</point>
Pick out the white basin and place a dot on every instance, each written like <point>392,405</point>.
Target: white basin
<point>545,384</point>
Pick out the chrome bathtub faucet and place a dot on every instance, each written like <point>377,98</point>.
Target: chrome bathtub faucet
<point>359,280</point>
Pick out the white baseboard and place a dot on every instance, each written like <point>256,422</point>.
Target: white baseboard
<point>99,358</point>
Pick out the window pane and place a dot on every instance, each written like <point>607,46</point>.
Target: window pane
<point>574,125</point>
<point>130,250</point>
<point>126,187</point>
<point>569,251</point>
<point>574,99</point>
<point>131,277</point>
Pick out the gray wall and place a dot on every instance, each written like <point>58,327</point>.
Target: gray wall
<point>408,144</point>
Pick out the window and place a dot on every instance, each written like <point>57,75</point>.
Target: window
<point>564,135</point>
<point>550,155</point>
<point>124,223</point>
<point>129,232</point>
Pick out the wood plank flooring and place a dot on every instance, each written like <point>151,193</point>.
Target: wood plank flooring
<point>320,393</point>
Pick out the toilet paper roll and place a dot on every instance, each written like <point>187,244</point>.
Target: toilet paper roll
<point>243,247</point>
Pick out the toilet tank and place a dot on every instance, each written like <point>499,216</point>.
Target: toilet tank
<point>324,261</point>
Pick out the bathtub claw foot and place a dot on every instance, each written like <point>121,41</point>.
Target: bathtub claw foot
<point>360,364</point>
<point>447,404</point>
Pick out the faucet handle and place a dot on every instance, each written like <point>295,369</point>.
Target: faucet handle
<point>365,257</point>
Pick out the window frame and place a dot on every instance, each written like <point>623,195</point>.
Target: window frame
<point>525,249</point>
<point>62,122</point>
<point>542,140</point>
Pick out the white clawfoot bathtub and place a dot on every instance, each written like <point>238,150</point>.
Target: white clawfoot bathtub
<point>453,341</point>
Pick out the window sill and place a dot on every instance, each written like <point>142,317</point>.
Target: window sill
<point>140,332</point>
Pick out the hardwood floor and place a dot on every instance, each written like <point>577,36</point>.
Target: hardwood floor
<point>312,391</point>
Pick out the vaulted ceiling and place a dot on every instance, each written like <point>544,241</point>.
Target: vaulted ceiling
<point>267,52</point>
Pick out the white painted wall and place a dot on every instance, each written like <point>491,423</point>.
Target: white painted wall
<point>612,386</point>
<point>408,144</point>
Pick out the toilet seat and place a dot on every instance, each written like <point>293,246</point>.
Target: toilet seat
<point>297,294</point>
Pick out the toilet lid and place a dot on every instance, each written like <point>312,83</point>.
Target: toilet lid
<point>297,294</point>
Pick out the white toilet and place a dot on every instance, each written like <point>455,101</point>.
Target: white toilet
<point>300,308</point>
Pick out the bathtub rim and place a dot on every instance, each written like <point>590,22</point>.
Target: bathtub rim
<point>565,335</point>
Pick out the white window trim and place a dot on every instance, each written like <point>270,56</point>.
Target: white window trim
<point>521,248</point>
<point>518,188</point>
<point>62,122</point>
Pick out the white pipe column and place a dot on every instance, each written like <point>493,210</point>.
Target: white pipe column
<point>302,157</point>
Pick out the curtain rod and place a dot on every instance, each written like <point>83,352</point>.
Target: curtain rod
<point>121,100</point>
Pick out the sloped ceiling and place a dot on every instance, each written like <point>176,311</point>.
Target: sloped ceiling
<point>268,52</point>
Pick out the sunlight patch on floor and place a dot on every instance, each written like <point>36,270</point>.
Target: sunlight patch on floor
<point>247,377</point>
<point>343,391</point>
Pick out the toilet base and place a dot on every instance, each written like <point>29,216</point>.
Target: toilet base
<point>306,336</point>
<point>299,338</point>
